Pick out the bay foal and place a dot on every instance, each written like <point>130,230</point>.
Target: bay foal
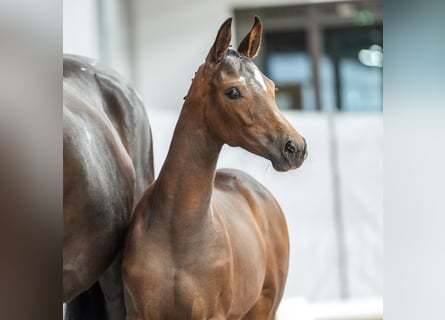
<point>207,244</point>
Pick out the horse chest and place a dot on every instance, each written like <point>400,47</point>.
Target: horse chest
<point>193,275</point>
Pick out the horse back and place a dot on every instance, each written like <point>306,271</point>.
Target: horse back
<point>261,205</point>
<point>106,91</point>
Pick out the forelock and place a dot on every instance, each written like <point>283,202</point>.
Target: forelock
<point>239,64</point>
<point>235,61</point>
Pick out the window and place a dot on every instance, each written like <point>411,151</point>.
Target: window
<point>288,64</point>
<point>351,69</point>
<point>326,56</point>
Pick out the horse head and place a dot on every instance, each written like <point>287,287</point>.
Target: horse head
<point>239,102</point>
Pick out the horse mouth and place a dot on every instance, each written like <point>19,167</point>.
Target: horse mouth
<point>285,165</point>
<point>289,158</point>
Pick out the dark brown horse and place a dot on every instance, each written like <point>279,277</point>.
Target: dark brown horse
<point>107,164</point>
<point>207,244</point>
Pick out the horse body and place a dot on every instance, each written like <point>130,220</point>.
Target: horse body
<point>226,262</point>
<point>107,164</point>
<point>98,197</point>
<point>208,244</point>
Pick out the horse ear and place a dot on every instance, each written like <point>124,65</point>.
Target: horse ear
<point>251,43</point>
<point>222,43</point>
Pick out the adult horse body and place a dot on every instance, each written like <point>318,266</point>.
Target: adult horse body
<point>108,163</point>
<point>207,244</point>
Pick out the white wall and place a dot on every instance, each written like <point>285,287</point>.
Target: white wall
<point>172,40</point>
<point>80,29</point>
<point>104,35</point>
<point>154,44</point>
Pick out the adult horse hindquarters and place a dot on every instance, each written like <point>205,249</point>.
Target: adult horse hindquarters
<point>108,162</point>
<point>214,245</point>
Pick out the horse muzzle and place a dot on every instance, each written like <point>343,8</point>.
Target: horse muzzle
<point>291,156</point>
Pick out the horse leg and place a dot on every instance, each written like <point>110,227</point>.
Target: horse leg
<point>89,305</point>
<point>263,309</point>
<point>112,287</point>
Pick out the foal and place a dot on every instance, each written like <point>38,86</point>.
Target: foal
<point>207,244</point>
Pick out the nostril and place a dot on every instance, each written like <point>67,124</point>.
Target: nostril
<point>304,145</point>
<point>290,147</point>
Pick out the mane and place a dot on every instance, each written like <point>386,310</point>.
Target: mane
<point>234,59</point>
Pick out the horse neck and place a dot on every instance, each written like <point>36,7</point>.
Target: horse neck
<point>185,184</point>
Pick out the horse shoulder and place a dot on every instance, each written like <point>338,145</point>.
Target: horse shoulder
<point>147,264</point>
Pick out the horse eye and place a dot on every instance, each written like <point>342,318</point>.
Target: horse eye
<point>233,93</point>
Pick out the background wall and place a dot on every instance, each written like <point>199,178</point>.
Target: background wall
<point>333,204</point>
<point>155,44</point>
<point>172,39</point>
<point>80,28</point>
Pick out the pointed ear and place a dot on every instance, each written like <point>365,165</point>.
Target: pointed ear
<point>222,43</point>
<point>251,43</point>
